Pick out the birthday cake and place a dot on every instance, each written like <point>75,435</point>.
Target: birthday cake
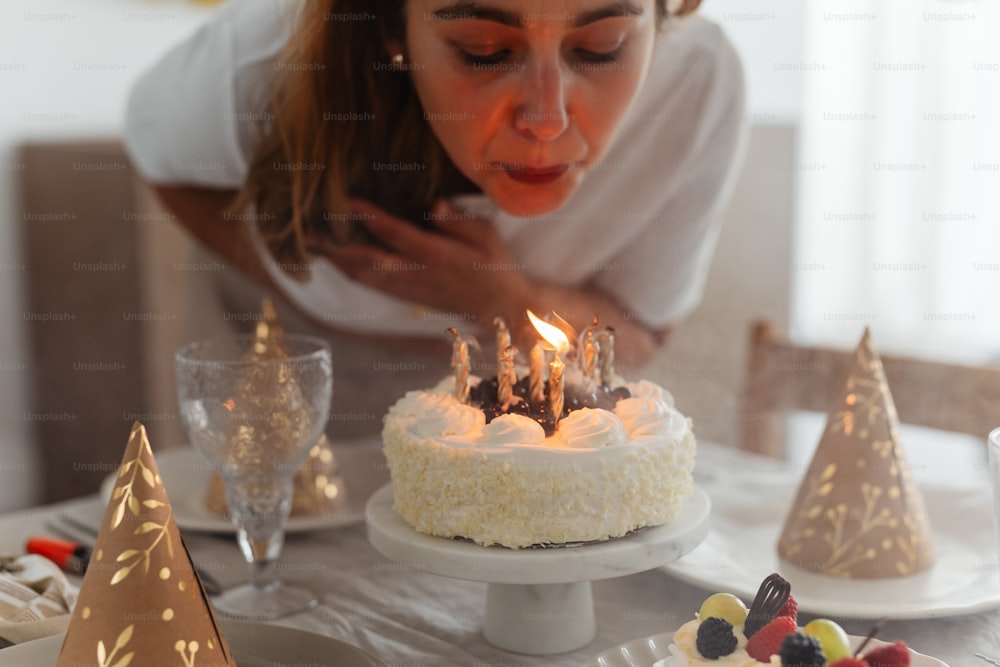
<point>617,459</point>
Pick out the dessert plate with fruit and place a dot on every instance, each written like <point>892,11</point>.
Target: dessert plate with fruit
<point>727,633</point>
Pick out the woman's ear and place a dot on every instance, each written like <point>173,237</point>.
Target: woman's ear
<point>393,46</point>
<point>392,28</point>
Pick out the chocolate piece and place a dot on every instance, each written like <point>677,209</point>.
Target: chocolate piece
<point>771,597</point>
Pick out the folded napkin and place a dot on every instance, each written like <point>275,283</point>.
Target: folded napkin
<point>35,599</point>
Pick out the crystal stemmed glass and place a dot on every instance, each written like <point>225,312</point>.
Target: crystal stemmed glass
<point>255,417</point>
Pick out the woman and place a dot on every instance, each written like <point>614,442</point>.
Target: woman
<point>396,167</point>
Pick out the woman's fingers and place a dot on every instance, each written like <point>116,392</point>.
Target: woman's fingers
<point>463,226</point>
<point>379,269</point>
<point>399,235</point>
<point>455,227</point>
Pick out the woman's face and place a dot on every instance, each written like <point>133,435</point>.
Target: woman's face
<point>526,96</point>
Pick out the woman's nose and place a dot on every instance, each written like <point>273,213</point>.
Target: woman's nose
<point>543,112</point>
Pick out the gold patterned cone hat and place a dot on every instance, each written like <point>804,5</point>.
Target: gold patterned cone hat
<point>858,513</point>
<point>317,485</point>
<point>141,603</point>
<point>269,335</point>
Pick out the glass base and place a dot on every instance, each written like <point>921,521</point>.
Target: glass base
<point>250,603</point>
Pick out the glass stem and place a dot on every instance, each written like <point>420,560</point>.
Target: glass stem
<point>262,557</point>
<point>263,574</point>
<point>260,508</point>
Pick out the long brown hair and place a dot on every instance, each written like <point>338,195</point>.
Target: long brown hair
<point>339,110</point>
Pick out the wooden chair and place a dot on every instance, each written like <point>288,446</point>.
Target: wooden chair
<point>783,376</point>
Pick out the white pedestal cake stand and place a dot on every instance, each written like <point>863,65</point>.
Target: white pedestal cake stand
<point>539,601</point>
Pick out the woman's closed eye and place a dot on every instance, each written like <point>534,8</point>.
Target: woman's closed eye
<point>481,59</point>
<point>501,56</point>
<point>588,56</point>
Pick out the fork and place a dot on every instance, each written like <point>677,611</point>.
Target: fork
<point>73,525</point>
<point>989,660</point>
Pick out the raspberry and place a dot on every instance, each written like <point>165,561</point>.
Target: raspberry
<point>851,662</point>
<point>767,641</point>
<point>801,650</point>
<point>894,655</point>
<point>715,638</point>
<point>791,608</point>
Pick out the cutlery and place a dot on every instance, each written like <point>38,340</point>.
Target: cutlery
<point>74,529</point>
<point>989,660</point>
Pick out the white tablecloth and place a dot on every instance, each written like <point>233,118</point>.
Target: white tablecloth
<point>408,617</point>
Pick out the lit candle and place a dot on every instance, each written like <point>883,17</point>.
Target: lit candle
<point>505,364</point>
<point>555,337</point>
<point>503,336</point>
<point>506,378</point>
<point>589,352</point>
<point>606,354</point>
<point>536,388</point>
<point>460,364</point>
<point>556,389</point>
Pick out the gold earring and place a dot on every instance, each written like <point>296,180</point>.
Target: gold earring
<point>397,61</point>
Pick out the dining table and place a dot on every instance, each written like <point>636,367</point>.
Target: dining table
<point>406,616</point>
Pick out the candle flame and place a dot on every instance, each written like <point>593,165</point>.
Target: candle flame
<point>553,335</point>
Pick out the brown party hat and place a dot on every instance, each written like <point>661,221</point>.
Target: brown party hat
<point>269,335</point>
<point>317,487</point>
<point>858,513</point>
<point>140,602</point>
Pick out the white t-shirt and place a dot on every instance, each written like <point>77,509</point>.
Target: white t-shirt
<point>642,228</point>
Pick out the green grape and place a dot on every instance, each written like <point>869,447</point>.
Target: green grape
<point>724,605</point>
<point>832,638</point>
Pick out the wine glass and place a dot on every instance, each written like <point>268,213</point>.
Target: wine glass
<point>255,417</point>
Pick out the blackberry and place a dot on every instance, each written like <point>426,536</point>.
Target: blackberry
<point>801,650</point>
<point>715,638</point>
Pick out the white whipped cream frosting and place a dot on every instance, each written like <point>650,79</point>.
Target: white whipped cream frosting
<point>512,429</point>
<point>591,428</point>
<point>642,416</point>
<point>436,413</point>
<point>647,389</point>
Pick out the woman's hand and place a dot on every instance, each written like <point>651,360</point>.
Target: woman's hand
<point>461,266</point>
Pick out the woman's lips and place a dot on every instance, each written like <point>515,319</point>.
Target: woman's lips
<point>535,175</point>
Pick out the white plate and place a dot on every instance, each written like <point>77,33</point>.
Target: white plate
<point>644,652</point>
<point>186,475</point>
<point>748,511</point>
<point>252,644</point>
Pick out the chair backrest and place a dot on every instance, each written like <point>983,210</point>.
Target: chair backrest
<point>783,376</point>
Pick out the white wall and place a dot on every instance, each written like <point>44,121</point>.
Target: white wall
<point>769,37</point>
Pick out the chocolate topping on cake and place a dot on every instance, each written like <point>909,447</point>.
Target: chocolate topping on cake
<point>484,395</point>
